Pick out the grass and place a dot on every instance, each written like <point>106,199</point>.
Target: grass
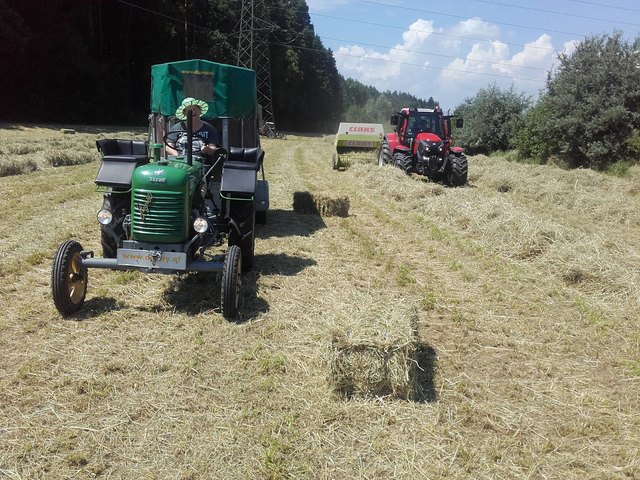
<point>29,148</point>
<point>526,300</point>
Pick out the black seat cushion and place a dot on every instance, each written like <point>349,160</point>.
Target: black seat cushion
<point>252,155</point>
<point>116,146</point>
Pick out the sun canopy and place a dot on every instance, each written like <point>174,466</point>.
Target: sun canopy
<point>228,90</point>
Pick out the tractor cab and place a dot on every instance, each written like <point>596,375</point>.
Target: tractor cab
<point>411,122</point>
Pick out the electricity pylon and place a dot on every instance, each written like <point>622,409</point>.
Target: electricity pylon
<point>253,51</point>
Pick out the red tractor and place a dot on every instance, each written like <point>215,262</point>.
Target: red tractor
<point>421,143</point>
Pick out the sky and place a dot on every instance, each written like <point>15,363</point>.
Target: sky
<point>449,50</point>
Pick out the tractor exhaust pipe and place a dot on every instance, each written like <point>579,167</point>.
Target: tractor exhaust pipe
<point>190,137</point>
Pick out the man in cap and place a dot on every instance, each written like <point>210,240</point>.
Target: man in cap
<point>206,138</point>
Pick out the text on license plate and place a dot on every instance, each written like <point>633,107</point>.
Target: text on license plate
<point>152,258</point>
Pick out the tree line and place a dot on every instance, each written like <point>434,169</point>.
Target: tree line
<point>588,114</point>
<point>89,62</point>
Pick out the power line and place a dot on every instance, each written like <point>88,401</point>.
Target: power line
<point>160,14</point>
<point>556,12</point>
<point>606,6</point>
<point>431,32</point>
<point>408,63</point>
<point>381,59</point>
<point>434,54</point>
<point>466,18</point>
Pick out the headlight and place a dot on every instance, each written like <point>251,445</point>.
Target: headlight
<point>105,217</point>
<point>200,225</point>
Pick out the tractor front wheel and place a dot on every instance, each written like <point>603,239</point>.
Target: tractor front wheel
<point>384,156</point>
<point>69,278</point>
<point>457,171</point>
<point>230,288</point>
<point>403,161</point>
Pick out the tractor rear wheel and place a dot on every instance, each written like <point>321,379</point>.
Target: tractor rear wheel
<point>68,278</point>
<point>118,204</point>
<point>457,171</point>
<point>230,288</point>
<point>403,161</point>
<point>384,156</point>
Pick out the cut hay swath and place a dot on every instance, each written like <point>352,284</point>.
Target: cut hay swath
<point>374,349</point>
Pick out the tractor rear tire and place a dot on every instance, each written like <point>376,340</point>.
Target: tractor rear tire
<point>457,171</point>
<point>118,204</point>
<point>403,161</point>
<point>384,157</point>
<point>231,282</point>
<point>68,278</point>
<point>244,214</point>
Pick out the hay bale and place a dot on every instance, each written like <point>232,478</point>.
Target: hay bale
<point>68,131</point>
<point>320,204</point>
<point>372,369</point>
<point>375,352</point>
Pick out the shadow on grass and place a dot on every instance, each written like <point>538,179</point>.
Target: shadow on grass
<point>93,308</point>
<point>427,359</point>
<point>196,292</point>
<point>286,223</point>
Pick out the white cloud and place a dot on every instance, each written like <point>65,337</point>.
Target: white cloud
<point>570,47</point>
<point>466,32</point>
<point>481,59</point>
<point>384,69</point>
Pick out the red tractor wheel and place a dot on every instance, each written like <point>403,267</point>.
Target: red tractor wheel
<point>384,157</point>
<point>457,171</point>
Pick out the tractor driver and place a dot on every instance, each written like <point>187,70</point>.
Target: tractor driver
<point>206,138</point>
<point>421,126</point>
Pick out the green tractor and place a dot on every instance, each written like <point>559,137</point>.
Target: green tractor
<point>173,214</point>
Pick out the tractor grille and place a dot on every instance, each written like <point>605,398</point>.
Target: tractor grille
<point>158,216</point>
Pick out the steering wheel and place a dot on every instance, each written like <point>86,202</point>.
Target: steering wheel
<point>176,134</point>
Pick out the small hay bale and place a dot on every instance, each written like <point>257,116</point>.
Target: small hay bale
<point>68,131</point>
<point>375,353</point>
<point>320,204</point>
<point>373,370</point>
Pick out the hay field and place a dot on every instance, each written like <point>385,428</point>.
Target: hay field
<point>523,286</point>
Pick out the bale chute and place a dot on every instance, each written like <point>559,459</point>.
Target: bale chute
<point>357,142</point>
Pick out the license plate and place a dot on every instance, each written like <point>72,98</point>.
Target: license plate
<point>152,259</point>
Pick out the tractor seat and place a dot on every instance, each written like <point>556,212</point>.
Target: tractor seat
<point>118,147</point>
<point>249,155</point>
<point>119,160</point>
